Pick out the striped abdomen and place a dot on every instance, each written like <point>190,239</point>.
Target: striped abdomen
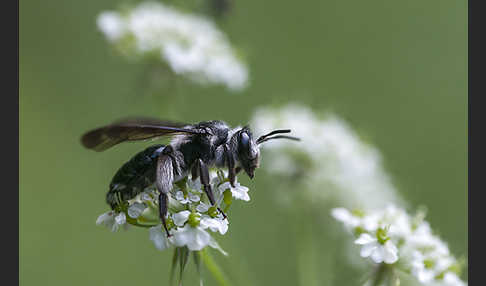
<point>134,176</point>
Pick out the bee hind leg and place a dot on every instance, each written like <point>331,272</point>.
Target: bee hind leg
<point>163,200</point>
<point>163,182</point>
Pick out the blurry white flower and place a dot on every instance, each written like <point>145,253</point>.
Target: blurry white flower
<point>239,192</point>
<point>451,279</point>
<point>191,45</point>
<point>331,160</point>
<point>346,217</point>
<point>379,251</point>
<point>112,25</point>
<point>112,220</point>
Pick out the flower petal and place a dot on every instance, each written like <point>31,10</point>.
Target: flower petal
<point>365,238</point>
<point>202,207</point>
<point>341,214</point>
<point>182,236</point>
<point>367,249</point>
<point>136,209</point>
<point>214,244</point>
<point>179,195</point>
<point>214,224</point>
<point>158,237</point>
<point>198,239</point>
<point>107,219</point>
<point>378,254</point>
<point>390,254</point>
<point>121,218</point>
<point>194,198</point>
<point>181,217</point>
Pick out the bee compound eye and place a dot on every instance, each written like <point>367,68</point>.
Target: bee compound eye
<point>244,140</point>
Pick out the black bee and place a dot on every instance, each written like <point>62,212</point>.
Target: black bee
<point>194,148</point>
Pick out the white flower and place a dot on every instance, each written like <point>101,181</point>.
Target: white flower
<point>194,198</point>
<point>451,279</point>
<point>214,224</point>
<point>239,192</point>
<point>191,45</point>
<point>389,233</point>
<point>135,210</point>
<point>332,160</point>
<point>112,25</point>
<point>195,185</point>
<point>351,221</point>
<point>202,207</point>
<point>421,268</point>
<point>112,220</point>
<point>346,217</point>
<point>371,247</point>
<point>180,218</point>
<point>159,237</point>
<point>190,220</point>
<point>179,195</point>
<point>148,196</point>
<point>428,266</point>
<point>195,238</point>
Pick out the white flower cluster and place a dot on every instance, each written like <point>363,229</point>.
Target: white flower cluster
<point>334,165</point>
<point>190,216</point>
<point>333,161</point>
<point>191,45</point>
<point>391,236</point>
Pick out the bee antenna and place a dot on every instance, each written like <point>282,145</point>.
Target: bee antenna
<point>277,137</point>
<point>278,131</point>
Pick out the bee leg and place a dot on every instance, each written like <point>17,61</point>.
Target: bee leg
<point>163,181</point>
<point>163,201</point>
<point>232,177</point>
<point>194,173</point>
<point>204,176</point>
<point>230,162</point>
<point>237,170</point>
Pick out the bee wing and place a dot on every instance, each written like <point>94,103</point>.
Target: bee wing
<point>132,129</point>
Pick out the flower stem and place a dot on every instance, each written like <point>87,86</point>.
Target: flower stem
<point>380,275</point>
<point>213,268</point>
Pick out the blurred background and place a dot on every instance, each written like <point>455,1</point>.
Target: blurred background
<point>396,71</point>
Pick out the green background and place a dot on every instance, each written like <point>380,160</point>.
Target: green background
<point>395,70</point>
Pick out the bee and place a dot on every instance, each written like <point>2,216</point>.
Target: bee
<point>194,148</point>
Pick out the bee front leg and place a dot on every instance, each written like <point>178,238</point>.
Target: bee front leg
<point>237,170</point>
<point>164,180</point>
<point>230,162</point>
<point>204,177</point>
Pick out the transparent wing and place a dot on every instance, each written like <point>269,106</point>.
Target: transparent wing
<point>132,129</point>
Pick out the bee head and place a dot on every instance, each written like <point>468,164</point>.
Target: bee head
<point>248,151</point>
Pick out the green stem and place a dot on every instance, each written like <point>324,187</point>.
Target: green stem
<point>380,275</point>
<point>213,268</point>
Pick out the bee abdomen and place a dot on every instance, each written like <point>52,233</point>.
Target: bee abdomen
<point>134,176</point>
